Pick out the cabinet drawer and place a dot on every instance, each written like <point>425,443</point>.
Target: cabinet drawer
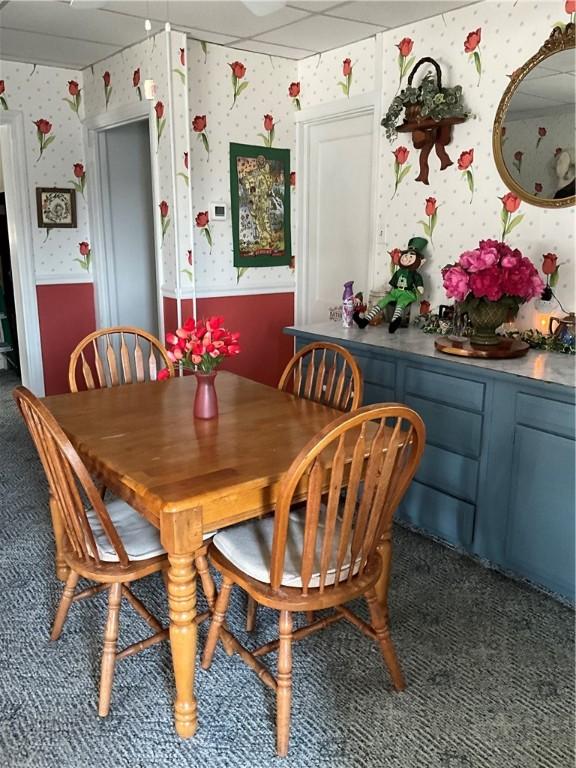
<point>450,472</point>
<point>542,413</point>
<point>377,371</point>
<point>445,389</point>
<point>440,514</point>
<point>446,427</point>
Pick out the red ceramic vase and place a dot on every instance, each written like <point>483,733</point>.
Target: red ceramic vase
<point>206,401</point>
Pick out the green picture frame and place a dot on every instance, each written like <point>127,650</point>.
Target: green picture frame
<point>260,206</point>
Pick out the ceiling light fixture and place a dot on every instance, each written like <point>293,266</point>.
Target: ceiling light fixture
<point>263,7</point>
<point>149,84</point>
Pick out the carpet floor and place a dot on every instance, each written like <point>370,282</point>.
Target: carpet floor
<point>488,661</point>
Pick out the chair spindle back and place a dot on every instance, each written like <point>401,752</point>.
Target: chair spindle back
<point>326,373</point>
<point>71,485</point>
<point>113,356</point>
<point>355,473</point>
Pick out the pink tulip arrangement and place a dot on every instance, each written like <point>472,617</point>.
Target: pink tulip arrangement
<point>201,346</point>
<point>492,272</point>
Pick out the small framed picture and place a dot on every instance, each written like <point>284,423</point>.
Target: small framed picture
<point>56,207</point>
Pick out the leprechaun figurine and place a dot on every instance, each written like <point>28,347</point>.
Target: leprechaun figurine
<point>406,284</point>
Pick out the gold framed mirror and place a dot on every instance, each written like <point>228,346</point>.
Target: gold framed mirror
<point>534,130</point>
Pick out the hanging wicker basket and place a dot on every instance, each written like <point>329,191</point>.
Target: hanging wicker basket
<point>412,111</point>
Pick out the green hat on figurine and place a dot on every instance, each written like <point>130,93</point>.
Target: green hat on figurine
<point>417,244</point>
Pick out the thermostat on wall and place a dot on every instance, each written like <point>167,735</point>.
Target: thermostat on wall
<point>219,211</point>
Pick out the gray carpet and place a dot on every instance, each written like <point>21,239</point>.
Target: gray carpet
<point>489,664</point>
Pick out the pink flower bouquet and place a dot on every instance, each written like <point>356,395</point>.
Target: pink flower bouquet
<point>201,346</point>
<point>492,272</point>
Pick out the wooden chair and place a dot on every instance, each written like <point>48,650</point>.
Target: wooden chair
<point>110,544</point>
<point>326,373</point>
<point>113,356</point>
<point>334,552</point>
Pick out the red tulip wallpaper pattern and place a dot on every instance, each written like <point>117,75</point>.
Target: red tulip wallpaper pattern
<point>3,102</point>
<point>475,163</point>
<point>404,50</point>
<point>76,92</point>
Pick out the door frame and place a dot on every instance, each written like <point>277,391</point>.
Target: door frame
<point>99,200</point>
<point>306,120</point>
<point>19,217</point>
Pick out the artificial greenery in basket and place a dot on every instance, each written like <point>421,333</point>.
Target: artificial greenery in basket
<point>427,101</point>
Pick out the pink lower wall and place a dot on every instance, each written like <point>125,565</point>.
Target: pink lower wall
<point>66,314</point>
<point>260,320</point>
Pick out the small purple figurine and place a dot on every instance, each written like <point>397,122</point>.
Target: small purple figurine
<point>348,304</point>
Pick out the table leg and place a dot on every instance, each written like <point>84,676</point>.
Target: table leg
<point>181,536</point>
<point>61,568</point>
<point>183,636</point>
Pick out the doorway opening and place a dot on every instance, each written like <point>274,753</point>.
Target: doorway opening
<point>20,347</point>
<point>9,357</point>
<point>127,272</point>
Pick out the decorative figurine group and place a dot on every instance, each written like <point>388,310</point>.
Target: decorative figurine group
<point>407,286</point>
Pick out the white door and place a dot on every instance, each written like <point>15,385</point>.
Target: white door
<point>129,226</point>
<point>337,220</point>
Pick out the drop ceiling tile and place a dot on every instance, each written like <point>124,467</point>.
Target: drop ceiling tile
<point>319,33</point>
<point>272,50</point>
<point>207,37</point>
<point>53,51</point>
<point>226,18</point>
<point>524,103</point>
<point>314,6</point>
<point>79,24</point>
<point>395,13</point>
<point>559,87</point>
<point>564,61</point>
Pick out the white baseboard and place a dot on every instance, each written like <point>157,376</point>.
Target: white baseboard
<point>188,293</point>
<point>63,278</point>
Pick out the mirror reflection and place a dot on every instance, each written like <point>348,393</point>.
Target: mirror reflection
<point>538,130</point>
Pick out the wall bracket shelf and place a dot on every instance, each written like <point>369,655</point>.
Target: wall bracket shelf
<point>428,133</point>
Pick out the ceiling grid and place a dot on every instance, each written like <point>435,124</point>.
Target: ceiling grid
<point>79,33</point>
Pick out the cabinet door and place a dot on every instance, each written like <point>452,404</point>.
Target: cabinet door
<point>540,531</point>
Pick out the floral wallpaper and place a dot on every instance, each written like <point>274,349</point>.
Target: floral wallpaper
<point>119,80</point>
<point>209,95</point>
<point>248,98</point>
<point>477,47</point>
<point>343,72</point>
<point>54,156</point>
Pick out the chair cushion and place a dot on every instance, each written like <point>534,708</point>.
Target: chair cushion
<point>140,538</point>
<point>248,546</point>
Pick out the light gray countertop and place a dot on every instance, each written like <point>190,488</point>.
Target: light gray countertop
<point>552,367</point>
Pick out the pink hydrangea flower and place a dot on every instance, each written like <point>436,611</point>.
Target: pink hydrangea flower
<point>482,258</point>
<point>524,281</point>
<point>491,271</point>
<point>487,283</point>
<point>511,260</point>
<point>456,282</point>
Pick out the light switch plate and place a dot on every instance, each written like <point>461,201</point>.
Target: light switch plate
<point>218,211</point>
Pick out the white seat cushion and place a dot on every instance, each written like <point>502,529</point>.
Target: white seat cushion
<point>140,538</point>
<point>248,546</point>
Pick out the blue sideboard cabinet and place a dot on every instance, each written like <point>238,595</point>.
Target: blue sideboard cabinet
<point>497,475</point>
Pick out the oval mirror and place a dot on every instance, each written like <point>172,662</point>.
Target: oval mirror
<point>534,130</point>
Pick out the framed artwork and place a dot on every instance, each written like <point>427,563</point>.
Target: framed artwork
<point>260,204</point>
<point>56,207</point>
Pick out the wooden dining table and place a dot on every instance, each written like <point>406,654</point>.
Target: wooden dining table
<point>188,476</point>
